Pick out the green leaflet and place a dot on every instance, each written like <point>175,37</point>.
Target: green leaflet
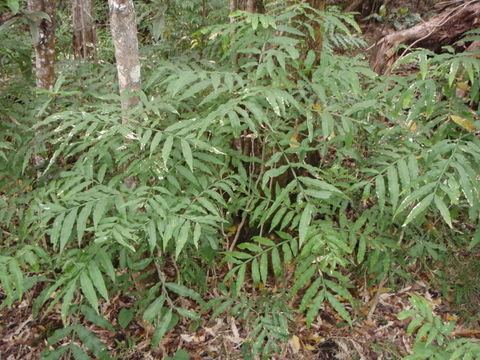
<point>380,190</point>
<point>152,235</point>
<point>208,205</point>
<point>95,318</point>
<point>305,222</point>
<point>264,268</point>
<point>125,317</point>
<point>14,6</point>
<point>339,289</point>
<point>319,184</point>
<point>82,221</point>
<point>103,259</point>
<point>264,241</point>
<point>17,277</point>
<point>276,264</point>
<point>303,279</point>
<point>155,141</point>
<point>273,173</point>
<point>154,308</point>
<point>339,308</point>
<point>97,279</point>
<point>145,137</point>
<point>413,166</point>
<point>414,324</point>
<point>310,293</point>
<point>182,238</point>
<point>313,309</point>
<point>56,228</point>
<point>408,200</point>
<point>287,253</point>
<point>161,328</point>
<point>88,290</point>
<point>171,226</point>
<point>393,186</point>
<point>240,278</point>
<point>475,239</point>
<point>167,148</point>
<point>255,268</point>
<point>67,227</point>
<point>92,343</point>
<point>442,207</point>
<point>59,334</point>
<point>78,352</point>
<point>277,217</point>
<point>183,291</point>
<point>99,210</point>
<point>361,249</point>
<point>403,173</point>
<point>418,209</point>
<point>222,308</point>
<point>251,247</point>
<point>187,153</point>
<point>197,233</point>
<point>187,313</point>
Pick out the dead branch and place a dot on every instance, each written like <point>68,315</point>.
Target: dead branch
<point>443,29</point>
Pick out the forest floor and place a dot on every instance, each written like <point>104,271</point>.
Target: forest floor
<point>376,333</point>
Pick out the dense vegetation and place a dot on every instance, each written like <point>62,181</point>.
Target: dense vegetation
<point>257,178</point>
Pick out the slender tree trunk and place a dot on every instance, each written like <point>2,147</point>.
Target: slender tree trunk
<point>43,35</point>
<point>316,42</point>
<point>233,5</point>
<point>251,5</point>
<point>124,33</point>
<point>354,5</point>
<point>83,30</point>
<point>204,11</point>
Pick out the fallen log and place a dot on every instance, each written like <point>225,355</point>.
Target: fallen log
<point>444,29</point>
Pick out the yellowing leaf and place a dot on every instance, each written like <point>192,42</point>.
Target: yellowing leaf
<point>452,317</point>
<point>317,107</point>
<point>316,338</point>
<point>295,344</point>
<point>463,86</point>
<point>466,124</point>
<point>294,143</point>
<point>232,229</point>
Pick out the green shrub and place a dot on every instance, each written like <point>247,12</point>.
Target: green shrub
<point>327,167</point>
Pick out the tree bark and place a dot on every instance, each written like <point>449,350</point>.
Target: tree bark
<point>316,42</point>
<point>124,33</point>
<point>233,5</point>
<point>361,6</point>
<point>354,5</point>
<point>43,35</point>
<point>83,30</point>
<point>250,6</point>
<point>443,29</point>
<point>204,11</point>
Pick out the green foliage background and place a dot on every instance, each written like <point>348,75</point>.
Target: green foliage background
<point>335,172</point>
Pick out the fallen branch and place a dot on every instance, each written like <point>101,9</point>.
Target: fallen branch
<point>443,29</point>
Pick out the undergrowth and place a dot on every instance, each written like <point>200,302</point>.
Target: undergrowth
<point>275,165</point>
